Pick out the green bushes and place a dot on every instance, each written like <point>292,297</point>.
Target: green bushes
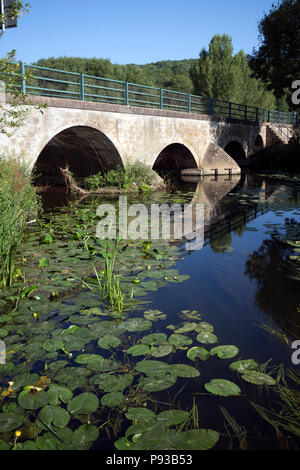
<point>136,175</point>
<point>18,202</point>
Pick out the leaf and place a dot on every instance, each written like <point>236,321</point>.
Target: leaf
<point>198,439</point>
<point>161,351</point>
<point>207,337</point>
<point>140,414</point>
<point>84,436</point>
<point>152,367</point>
<point>156,384</point>
<point>244,365</point>
<point>186,328</point>
<point>52,345</point>
<point>204,326</point>
<point>112,383</point>
<point>59,393</point>
<point>55,415</point>
<point>258,378</point>
<point>137,324</point>
<point>198,352</point>
<point>84,403</point>
<point>112,399</point>
<point>225,352</point>
<point>109,341</point>
<point>154,315</point>
<point>154,339</point>
<point>172,417</point>
<point>222,387</point>
<point>43,263</point>
<point>183,370</point>
<point>179,340</point>
<point>10,421</point>
<point>30,399</point>
<point>138,350</point>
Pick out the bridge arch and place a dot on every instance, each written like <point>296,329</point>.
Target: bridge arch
<point>173,158</point>
<point>235,150</point>
<point>85,150</point>
<point>259,143</point>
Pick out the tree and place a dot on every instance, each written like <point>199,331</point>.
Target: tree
<point>18,7</point>
<point>220,75</point>
<point>277,60</point>
<point>213,74</point>
<point>12,117</point>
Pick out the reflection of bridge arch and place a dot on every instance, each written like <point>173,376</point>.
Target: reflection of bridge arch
<point>83,149</point>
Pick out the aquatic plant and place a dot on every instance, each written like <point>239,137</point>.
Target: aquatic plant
<point>18,203</point>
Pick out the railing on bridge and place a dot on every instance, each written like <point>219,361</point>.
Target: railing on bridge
<point>44,81</point>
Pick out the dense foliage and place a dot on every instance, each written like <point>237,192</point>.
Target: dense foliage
<point>217,73</point>
<point>277,60</point>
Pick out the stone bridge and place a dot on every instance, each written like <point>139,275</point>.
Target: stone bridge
<point>90,137</point>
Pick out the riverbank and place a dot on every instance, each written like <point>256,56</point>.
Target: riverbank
<point>284,157</point>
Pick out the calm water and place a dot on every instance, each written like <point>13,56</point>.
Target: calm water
<point>240,282</point>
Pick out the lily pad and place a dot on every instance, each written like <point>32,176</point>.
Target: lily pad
<point>109,341</point>
<point>154,315</point>
<point>258,378</point>
<point>222,387</point>
<point>83,404</point>
<point>161,351</point>
<point>244,365</point>
<point>207,337</point>
<point>156,384</point>
<point>198,439</point>
<point>180,340</point>
<point>138,350</point>
<point>137,324</point>
<point>55,415</point>
<point>152,367</point>
<point>10,421</point>
<point>198,352</point>
<point>183,370</point>
<point>140,414</point>
<point>154,339</point>
<point>112,399</point>
<point>112,383</point>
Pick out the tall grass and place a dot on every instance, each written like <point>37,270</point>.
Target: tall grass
<point>18,203</point>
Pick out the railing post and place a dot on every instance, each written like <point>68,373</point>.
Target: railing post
<point>161,98</point>
<point>246,114</point>
<point>269,115</point>
<point>279,117</point>
<point>230,110</point>
<point>256,110</point>
<point>211,106</point>
<point>23,82</point>
<point>189,108</point>
<point>82,87</point>
<point>264,115</point>
<point>126,94</point>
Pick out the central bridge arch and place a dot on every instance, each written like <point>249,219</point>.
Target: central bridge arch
<point>173,158</point>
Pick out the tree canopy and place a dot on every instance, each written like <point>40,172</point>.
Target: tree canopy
<point>277,60</point>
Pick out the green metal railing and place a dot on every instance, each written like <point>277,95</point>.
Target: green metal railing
<point>44,81</point>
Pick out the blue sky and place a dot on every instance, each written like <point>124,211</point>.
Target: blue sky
<point>132,31</point>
